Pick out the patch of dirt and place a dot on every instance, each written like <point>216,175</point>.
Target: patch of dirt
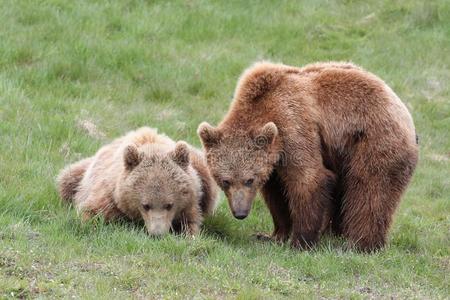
<point>365,290</point>
<point>90,129</point>
<point>20,293</point>
<point>33,235</point>
<point>166,113</point>
<point>443,263</point>
<point>7,262</point>
<point>88,267</point>
<point>279,272</point>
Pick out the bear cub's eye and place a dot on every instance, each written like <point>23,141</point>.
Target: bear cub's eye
<point>226,184</point>
<point>168,206</point>
<point>147,207</point>
<point>249,182</point>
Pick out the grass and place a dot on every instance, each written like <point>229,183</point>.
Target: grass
<point>171,65</point>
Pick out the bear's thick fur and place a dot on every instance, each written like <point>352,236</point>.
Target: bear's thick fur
<point>143,175</point>
<point>327,144</point>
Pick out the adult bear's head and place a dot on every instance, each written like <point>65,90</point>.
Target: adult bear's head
<point>240,160</point>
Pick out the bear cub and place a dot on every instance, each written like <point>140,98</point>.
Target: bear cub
<point>143,176</point>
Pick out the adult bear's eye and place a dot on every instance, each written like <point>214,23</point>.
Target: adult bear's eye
<point>168,206</point>
<point>249,182</point>
<point>226,184</point>
<point>146,207</point>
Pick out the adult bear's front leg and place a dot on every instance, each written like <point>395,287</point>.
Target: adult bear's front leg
<point>274,195</point>
<point>310,196</point>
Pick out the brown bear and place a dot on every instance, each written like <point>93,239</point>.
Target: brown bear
<point>329,145</point>
<point>143,176</point>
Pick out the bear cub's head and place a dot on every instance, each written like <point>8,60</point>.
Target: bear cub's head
<point>241,161</point>
<point>159,184</point>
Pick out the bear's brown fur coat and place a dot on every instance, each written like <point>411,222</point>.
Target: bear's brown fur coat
<point>326,143</point>
<point>143,175</point>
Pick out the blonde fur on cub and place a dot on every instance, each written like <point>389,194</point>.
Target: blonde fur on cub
<point>143,175</point>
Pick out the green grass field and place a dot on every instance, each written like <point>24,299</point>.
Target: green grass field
<point>69,66</point>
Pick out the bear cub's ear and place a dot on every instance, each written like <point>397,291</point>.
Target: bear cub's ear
<point>267,134</point>
<point>208,134</point>
<point>181,155</point>
<point>131,157</point>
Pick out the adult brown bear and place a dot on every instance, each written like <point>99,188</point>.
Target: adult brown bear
<point>327,144</point>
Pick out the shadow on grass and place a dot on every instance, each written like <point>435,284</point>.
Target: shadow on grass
<point>220,228</point>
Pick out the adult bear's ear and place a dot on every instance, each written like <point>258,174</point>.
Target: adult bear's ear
<point>209,135</point>
<point>181,155</point>
<point>266,135</point>
<point>131,157</point>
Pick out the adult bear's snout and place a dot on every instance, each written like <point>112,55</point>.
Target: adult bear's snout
<point>241,214</point>
<point>240,204</point>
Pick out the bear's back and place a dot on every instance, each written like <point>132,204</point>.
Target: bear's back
<point>352,100</point>
<point>147,135</point>
<point>339,96</point>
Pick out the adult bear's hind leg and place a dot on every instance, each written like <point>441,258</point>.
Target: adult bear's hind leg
<point>373,186</point>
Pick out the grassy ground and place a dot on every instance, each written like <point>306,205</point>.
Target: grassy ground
<point>124,64</point>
